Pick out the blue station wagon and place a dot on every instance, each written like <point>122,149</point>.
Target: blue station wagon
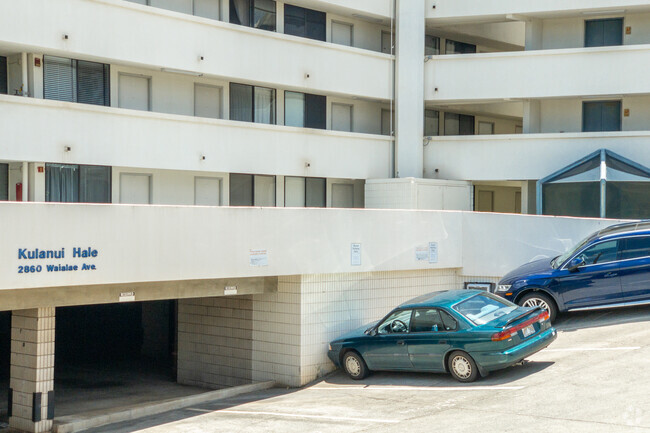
<point>467,333</point>
<point>610,268</point>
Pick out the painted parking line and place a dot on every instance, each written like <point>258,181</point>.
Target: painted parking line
<point>590,349</point>
<point>323,417</point>
<point>418,388</point>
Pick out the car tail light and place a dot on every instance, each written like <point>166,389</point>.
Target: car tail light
<point>509,332</point>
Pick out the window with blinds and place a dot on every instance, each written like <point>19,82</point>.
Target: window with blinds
<point>76,81</point>
<point>3,75</point>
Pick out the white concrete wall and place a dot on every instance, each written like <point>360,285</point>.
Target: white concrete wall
<point>130,138</point>
<point>537,74</point>
<point>156,38</point>
<point>493,158</point>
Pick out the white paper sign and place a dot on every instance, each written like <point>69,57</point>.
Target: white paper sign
<point>259,258</point>
<point>127,297</point>
<point>433,252</point>
<point>355,254</point>
<point>422,253</point>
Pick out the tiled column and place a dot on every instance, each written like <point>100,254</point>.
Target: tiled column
<point>32,370</point>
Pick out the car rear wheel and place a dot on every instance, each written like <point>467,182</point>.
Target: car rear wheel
<point>462,367</point>
<point>354,365</point>
<point>537,299</point>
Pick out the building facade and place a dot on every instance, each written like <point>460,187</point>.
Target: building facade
<point>167,146</point>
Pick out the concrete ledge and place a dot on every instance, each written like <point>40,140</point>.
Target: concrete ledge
<point>83,421</point>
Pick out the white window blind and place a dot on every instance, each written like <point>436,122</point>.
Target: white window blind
<point>294,191</point>
<point>135,188</point>
<point>343,195</point>
<point>207,9</point>
<point>342,33</point>
<point>207,191</point>
<point>342,117</point>
<point>207,101</point>
<point>134,92</point>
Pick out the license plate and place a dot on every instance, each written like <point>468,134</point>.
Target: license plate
<point>528,330</point>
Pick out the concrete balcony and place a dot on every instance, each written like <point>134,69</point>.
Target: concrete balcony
<point>40,130</point>
<point>362,9</point>
<point>472,11</point>
<point>580,72</point>
<point>527,156</point>
<point>121,32</point>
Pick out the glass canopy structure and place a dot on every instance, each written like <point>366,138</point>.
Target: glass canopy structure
<point>602,184</point>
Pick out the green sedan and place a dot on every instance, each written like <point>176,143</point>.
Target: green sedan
<point>467,333</point>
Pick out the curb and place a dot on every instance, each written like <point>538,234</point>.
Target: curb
<point>83,421</point>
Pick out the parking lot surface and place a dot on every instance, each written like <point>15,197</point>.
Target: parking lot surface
<point>594,378</point>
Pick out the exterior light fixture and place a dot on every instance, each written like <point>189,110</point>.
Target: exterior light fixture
<point>181,71</point>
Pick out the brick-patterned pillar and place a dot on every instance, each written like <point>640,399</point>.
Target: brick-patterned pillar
<point>32,370</point>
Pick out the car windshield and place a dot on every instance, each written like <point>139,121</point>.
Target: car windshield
<point>556,262</point>
<point>484,308</point>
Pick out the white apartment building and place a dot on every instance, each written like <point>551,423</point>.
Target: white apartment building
<point>167,146</point>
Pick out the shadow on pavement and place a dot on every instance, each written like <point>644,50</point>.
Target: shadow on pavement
<point>568,322</point>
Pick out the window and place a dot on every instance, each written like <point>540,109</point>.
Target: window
<point>459,124</point>
<point>206,9</point>
<point>606,32</point>
<point>387,122</point>
<point>636,247</point>
<point>455,47</point>
<point>304,192</point>
<point>342,117</point>
<point>207,101</point>
<point>428,320</point>
<point>431,122</point>
<point>449,322</point>
<point>134,92</point>
<point>259,14</point>
<point>3,75</point>
<point>135,188</point>
<point>603,252</point>
<point>485,128</point>
<point>252,190</point>
<point>342,33</point>
<point>303,22</point>
<point>207,191</point>
<point>601,116</point>
<point>77,183</point>
<point>304,110</point>
<point>386,43</point>
<point>397,323</point>
<point>76,81</point>
<point>4,182</point>
<point>252,104</point>
<point>343,195</point>
<point>431,45</point>
<point>519,129</point>
<point>484,308</point>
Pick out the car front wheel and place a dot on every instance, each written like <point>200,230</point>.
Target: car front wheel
<point>462,367</point>
<point>537,299</point>
<point>354,366</point>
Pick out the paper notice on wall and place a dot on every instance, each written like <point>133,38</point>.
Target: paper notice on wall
<point>422,253</point>
<point>259,258</point>
<point>355,254</point>
<point>433,252</point>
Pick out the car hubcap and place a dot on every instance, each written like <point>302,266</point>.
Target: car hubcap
<point>536,302</point>
<point>352,366</point>
<point>462,367</point>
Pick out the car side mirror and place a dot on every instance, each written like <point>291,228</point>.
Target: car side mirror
<point>575,263</point>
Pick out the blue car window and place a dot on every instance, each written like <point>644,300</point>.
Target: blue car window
<point>427,320</point>
<point>449,322</point>
<point>484,308</point>
<point>398,322</point>
<point>636,247</point>
<point>603,252</point>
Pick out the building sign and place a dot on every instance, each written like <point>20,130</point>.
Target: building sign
<point>433,252</point>
<point>35,260</point>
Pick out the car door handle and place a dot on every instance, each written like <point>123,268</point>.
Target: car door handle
<point>610,274</point>
<point>401,342</point>
<point>442,341</point>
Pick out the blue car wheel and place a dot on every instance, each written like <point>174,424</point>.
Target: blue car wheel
<point>462,367</point>
<point>354,365</point>
<point>538,299</point>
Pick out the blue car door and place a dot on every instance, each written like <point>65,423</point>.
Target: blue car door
<point>595,283</point>
<point>387,349</point>
<point>429,339</point>
<point>635,268</point>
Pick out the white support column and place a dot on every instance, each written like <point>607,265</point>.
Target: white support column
<point>409,88</point>
<point>532,117</point>
<point>32,370</point>
<point>25,75</point>
<point>534,34</point>
<point>25,172</point>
